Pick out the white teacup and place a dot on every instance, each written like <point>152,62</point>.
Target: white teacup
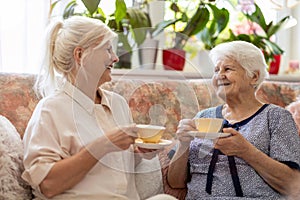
<point>209,125</point>
<point>150,133</point>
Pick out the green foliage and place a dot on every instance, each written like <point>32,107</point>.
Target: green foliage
<point>120,12</point>
<point>218,22</point>
<point>91,5</point>
<point>208,21</point>
<point>136,18</point>
<point>264,41</point>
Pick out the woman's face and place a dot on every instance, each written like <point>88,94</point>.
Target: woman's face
<point>95,69</point>
<point>230,79</point>
<point>97,64</point>
<point>104,58</point>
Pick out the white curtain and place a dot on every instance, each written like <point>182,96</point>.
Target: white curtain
<point>22,24</point>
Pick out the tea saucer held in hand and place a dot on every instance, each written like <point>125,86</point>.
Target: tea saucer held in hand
<point>161,144</point>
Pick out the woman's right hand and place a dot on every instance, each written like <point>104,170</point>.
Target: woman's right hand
<point>121,138</point>
<point>183,127</point>
<point>117,139</point>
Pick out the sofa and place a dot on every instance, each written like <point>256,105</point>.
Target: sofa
<point>160,102</point>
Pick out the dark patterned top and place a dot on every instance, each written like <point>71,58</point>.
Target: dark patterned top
<point>272,131</point>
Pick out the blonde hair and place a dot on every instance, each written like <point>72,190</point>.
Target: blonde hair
<point>62,37</point>
<point>246,54</point>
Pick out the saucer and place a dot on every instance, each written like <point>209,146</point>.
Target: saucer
<point>161,144</point>
<point>208,135</point>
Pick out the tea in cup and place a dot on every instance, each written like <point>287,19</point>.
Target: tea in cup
<point>150,133</point>
<point>209,125</point>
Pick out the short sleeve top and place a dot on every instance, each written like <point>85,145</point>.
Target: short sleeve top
<point>272,130</point>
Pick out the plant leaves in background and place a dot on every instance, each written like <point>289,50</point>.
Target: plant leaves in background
<point>140,24</point>
<point>274,28</point>
<point>91,5</point>
<point>120,12</point>
<point>69,9</point>
<point>197,22</point>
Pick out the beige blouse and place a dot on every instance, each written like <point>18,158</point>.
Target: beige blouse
<point>61,125</point>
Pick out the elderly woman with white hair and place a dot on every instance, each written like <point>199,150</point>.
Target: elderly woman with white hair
<point>260,157</point>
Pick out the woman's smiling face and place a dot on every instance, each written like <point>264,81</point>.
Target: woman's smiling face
<point>95,69</point>
<point>108,57</point>
<point>230,78</point>
<point>99,62</point>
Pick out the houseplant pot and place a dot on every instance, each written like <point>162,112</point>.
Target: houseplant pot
<point>275,65</point>
<point>147,52</point>
<point>207,18</point>
<point>173,59</point>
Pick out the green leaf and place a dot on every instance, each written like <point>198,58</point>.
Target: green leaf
<point>174,7</point>
<point>53,5</point>
<point>197,22</point>
<point>162,25</point>
<point>206,38</point>
<point>140,23</point>
<point>244,37</point>
<point>184,17</point>
<point>69,9</point>
<point>273,47</point>
<point>258,18</point>
<point>120,12</point>
<point>138,18</point>
<point>220,17</point>
<point>91,5</point>
<point>140,35</point>
<point>275,28</point>
<point>124,40</point>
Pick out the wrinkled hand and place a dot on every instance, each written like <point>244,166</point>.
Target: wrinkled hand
<point>183,127</point>
<point>234,145</point>
<point>121,138</point>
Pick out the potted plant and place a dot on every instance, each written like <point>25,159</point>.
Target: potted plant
<point>207,19</point>
<point>261,35</point>
<point>123,21</point>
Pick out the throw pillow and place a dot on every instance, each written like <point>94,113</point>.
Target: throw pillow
<point>12,186</point>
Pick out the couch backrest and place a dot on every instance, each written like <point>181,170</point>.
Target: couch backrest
<point>162,102</point>
<point>17,98</point>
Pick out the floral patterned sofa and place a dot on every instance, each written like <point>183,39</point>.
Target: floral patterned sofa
<point>161,102</point>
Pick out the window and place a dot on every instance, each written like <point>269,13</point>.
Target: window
<point>22,25</point>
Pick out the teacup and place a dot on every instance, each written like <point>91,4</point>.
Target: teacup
<point>209,125</point>
<point>150,133</point>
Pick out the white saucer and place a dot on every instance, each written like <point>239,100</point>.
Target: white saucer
<point>162,143</point>
<point>208,135</point>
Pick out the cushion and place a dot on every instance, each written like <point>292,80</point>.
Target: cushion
<point>12,186</point>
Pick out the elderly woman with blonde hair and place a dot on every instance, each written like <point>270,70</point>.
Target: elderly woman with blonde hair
<point>79,141</point>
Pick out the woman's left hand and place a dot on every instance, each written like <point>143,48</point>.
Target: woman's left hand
<point>145,153</point>
<point>234,145</point>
